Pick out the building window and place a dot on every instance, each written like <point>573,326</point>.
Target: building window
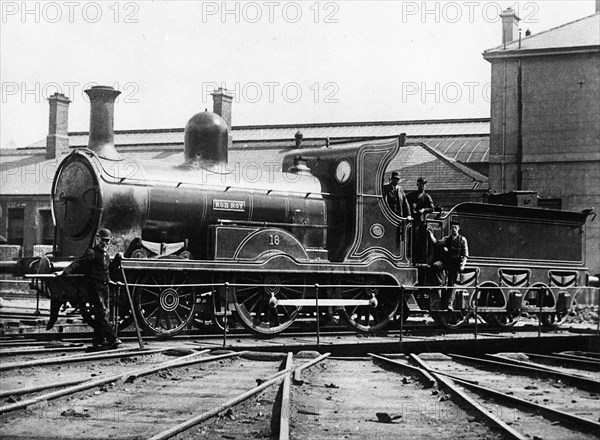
<point>550,204</point>
<point>16,222</point>
<point>46,226</point>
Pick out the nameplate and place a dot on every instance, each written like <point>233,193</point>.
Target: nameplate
<point>229,205</point>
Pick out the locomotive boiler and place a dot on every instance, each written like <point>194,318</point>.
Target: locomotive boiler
<point>201,242</point>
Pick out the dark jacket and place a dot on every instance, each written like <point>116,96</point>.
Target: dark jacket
<point>396,199</point>
<point>94,263</point>
<point>456,248</point>
<point>419,201</point>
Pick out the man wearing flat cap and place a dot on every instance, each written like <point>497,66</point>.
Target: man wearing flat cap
<point>421,204</point>
<point>454,257</point>
<point>395,197</point>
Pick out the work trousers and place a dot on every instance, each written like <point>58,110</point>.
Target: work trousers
<point>452,268</point>
<point>94,313</point>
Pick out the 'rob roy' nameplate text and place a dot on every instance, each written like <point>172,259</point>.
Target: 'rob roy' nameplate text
<point>229,205</point>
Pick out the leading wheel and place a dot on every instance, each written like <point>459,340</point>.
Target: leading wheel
<point>164,302</point>
<point>255,299</point>
<point>373,317</point>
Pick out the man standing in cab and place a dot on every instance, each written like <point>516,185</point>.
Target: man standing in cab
<point>421,204</point>
<point>395,197</point>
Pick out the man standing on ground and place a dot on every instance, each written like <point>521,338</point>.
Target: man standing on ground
<point>94,288</point>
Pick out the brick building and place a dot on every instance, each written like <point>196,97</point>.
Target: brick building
<point>545,117</point>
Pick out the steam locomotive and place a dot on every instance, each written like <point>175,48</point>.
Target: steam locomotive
<point>200,244</point>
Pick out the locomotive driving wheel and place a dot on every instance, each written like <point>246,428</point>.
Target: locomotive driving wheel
<point>384,302</point>
<point>164,302</point>
<point>255,299</point>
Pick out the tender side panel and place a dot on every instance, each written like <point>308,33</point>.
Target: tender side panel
<point>519,239</point>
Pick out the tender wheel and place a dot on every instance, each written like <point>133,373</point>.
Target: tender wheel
<point>369,318</point>
<point>165,305</point>
<point>252,296</point>
<point>541,292</point>
<point>451,320</point>
<point>491,295</point>
<point>554,320</point>
<point>504,320</point>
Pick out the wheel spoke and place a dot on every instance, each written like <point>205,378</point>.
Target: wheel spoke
<point>245,300</point>
<point>157,318</point>
<point>151,292</point>
<point>152,313</point>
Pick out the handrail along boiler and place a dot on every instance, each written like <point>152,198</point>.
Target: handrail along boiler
<point>199,242</point>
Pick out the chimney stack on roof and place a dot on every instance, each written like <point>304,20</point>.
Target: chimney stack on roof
<point>510,26</point>
<point>299,136</point>
<point>222,106</point>
<point>57,141</point>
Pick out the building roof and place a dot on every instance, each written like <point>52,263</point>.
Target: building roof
<point>466,140</point>
<point>581,35</point>
<point>442,172</point>
<point>32,174</point>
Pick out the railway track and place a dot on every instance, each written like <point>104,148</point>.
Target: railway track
<point>186,391</point>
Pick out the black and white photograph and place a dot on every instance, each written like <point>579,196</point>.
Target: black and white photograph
<point>300,219</point>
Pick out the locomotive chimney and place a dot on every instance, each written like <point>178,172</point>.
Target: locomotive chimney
<point>57,141</point>
<point>102,134</point>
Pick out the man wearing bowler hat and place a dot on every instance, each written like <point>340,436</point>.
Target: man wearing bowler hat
<point>395,197</point>
<point>94,265</point>
<point>421,204</point>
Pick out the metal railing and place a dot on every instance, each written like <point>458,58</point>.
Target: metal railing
<point>471,306</point>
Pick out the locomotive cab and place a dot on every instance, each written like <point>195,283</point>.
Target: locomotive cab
<point>365,228</point>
